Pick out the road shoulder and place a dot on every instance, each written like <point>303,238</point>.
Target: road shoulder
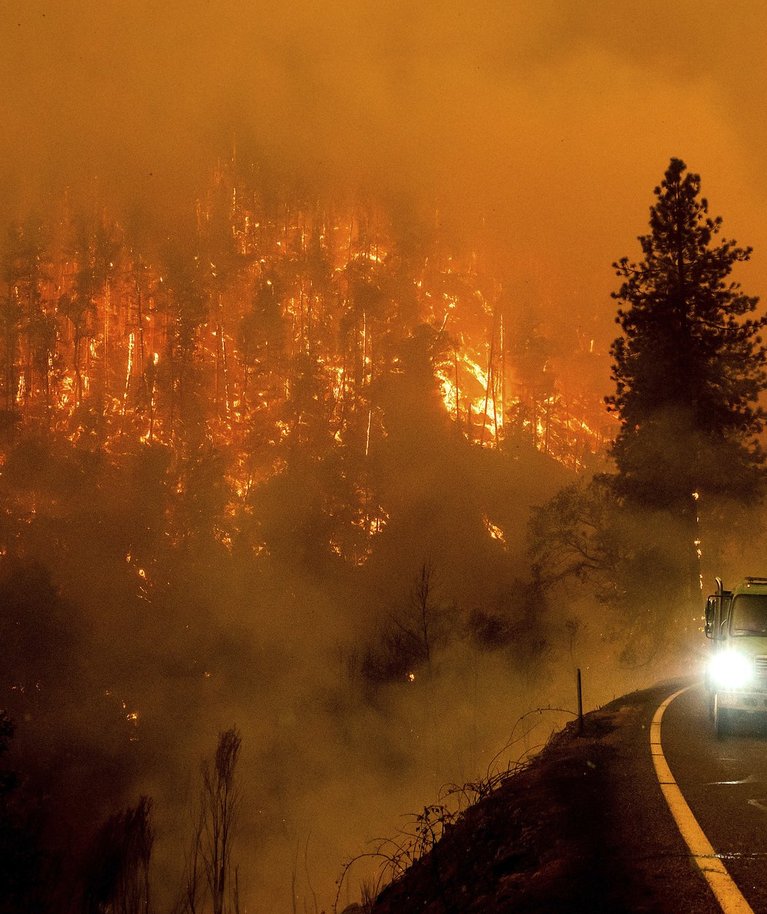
<point>584,828</point>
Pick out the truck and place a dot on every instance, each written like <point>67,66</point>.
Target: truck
<point>736,674</point>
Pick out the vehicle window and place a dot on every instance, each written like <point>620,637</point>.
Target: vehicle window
<point>749,614</point>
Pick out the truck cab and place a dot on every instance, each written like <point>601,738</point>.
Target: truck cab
<point>736,675</point>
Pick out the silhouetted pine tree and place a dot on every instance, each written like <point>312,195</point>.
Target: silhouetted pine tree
<point>689,365</point>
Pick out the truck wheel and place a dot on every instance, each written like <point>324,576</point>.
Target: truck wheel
<point>721,719</point>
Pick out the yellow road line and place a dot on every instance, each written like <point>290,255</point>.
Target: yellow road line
<point>727,893</point>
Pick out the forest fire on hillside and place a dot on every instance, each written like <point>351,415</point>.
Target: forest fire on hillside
<point>271,316</point>
<point>306,331</point>
<point>274,328</point>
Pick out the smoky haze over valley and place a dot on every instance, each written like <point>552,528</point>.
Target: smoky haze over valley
<point>306,308</point>
<point>545,122</point>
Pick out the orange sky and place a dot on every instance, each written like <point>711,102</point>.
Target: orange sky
<point>550,119</point>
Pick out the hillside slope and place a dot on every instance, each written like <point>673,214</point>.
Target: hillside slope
<point>583,829</point>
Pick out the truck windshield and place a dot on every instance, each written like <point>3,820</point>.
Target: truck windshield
<point>749,614</point>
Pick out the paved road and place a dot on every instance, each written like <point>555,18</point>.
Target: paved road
<point>725,784</point>
<point>608,843</point>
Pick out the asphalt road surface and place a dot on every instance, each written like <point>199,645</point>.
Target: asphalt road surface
<point>725,784</point>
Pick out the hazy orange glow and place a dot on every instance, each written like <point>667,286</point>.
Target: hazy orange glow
<point>298,299</point>
<point>540,126</point>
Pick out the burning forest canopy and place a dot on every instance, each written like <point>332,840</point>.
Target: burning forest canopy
<point>273,309</point>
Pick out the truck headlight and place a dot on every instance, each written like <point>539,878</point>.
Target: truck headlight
<point>731,670</point>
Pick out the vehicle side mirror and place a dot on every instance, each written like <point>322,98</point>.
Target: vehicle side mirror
<point>710,616</point>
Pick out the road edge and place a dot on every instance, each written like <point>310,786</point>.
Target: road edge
<point>708,861</point>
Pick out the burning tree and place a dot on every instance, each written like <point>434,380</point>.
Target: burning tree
<point>688,367</point>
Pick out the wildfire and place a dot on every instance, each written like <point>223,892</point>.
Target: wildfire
<point>494,530</point>
<point>136,348</point>
<point>131,717</point>
<point>224,537</point>
<point>471,397</point>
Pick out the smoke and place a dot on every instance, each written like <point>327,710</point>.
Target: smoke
<point>546,123</point>
<point>537,129</point>
<point>135,652</point>
<point>534,132</point>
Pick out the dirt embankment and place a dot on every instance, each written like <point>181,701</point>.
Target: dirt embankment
<point>583,829</point>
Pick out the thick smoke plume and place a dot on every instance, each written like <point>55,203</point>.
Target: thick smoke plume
<point>542,122</point>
